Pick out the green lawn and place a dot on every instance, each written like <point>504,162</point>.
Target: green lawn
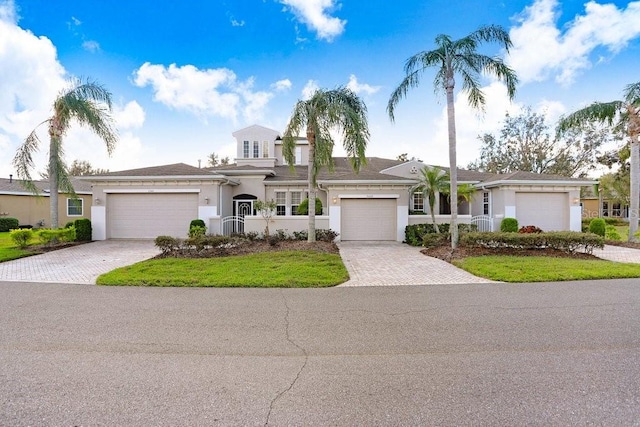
<point>8,249</point>
<point>545,269</point>
<point>287,269</point>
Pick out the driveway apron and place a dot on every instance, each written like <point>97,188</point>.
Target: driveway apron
<point>393,264</point>
<point>79,264</point>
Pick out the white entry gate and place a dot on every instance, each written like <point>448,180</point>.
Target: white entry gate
<point>483,222</point>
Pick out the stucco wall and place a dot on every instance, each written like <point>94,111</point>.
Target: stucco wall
<point>30,209</point>
<point>287,223</point>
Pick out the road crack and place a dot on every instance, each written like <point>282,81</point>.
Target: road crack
<point>304,364</point>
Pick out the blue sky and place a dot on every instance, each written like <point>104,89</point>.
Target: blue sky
<point>184,77</point>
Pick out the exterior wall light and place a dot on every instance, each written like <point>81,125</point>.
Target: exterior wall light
<point>97,201</point>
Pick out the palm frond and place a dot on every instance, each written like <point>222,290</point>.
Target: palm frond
<point>632,94</point>
<point>23,160</point>
<point>600,112</point>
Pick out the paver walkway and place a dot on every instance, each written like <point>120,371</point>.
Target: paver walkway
<point>79,264</point>
<point>392,264</point>
<point>618,254</point>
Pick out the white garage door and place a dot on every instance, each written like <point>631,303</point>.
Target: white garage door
<point>368,219</point>
<point>549,211</point>
<point>147,216</point>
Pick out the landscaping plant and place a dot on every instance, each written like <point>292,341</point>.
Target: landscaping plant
<point>21,237</point>
<point>598,226</point>
<point>509,225</point>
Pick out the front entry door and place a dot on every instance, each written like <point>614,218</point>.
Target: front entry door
<point>244,208</point>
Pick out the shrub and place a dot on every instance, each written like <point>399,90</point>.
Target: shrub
<point>48,236</point>
<point>527,229</point>
<point>167,244</point>
<point>322,235</point>
<point>509,225</point>
<point>432,240</point>
<point>597,226</point>
<point>68,224</point>
<point>21,237</point>
<point>414,234</point>
<point>8,223</point>
<point>611,233</point>
<point>566,241</point>
<point>83,229</point>
<point>197,231</point>
<point>197,223</point>
<point>303,207</point>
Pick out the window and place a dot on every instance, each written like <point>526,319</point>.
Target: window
<point>417,202</point>
<point>445,206</point>
<point>265,149</point>
<point>281,203</point>
<point>616,211</point>
<point>485,203</point>
<point>74,207</point>
<point>256,149</point>
<point>245,149</point>
<point>296,198</point>
<point>298,155</point>
<point>605,208</point>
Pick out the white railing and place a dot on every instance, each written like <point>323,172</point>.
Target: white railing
<point>232,225</point>
<point>483,222</point>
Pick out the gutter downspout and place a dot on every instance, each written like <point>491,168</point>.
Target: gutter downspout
<point>327,193</point>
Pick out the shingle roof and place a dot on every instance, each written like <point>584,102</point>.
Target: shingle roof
<point>531,176</point>
<point>176,169</point>
<point>16,186</point>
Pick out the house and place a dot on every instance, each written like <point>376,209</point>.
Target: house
<point>31,209</point>
<point>374,204</point>
<point>596,206</point>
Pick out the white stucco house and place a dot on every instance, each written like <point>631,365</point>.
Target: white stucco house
<point>374,204</point>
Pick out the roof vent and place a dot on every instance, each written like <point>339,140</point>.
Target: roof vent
<point>414,169</point>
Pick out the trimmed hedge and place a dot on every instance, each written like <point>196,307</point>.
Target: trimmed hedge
<point>49,236</point>
<point>414,235</point>
<point>197,223</point>
<point>566,241</point>
<point>509,225</point>
<point>21,237</point>
<point>598,226</point>
<point>8,223</point>
<point>611,233</point>
<point>83,229</point>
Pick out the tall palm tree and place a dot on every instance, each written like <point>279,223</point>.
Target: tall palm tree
<point>452,57</point>
<point>327,110</point>
<point>90,105</point>
<point>622,115</point>
<point>432,181</point>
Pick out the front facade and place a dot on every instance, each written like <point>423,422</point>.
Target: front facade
<point>374,204</point>
<point>31,209</point>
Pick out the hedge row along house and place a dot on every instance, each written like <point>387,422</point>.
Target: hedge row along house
<point>374,204</point>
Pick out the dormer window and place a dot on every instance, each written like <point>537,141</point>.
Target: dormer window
<point>245,149</point>
<point>256,149</point>
<point>265,149</point>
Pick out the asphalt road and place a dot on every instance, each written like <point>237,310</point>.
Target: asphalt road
<point>490,354</point>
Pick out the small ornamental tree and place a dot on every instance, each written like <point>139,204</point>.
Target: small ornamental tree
<point>267,210</point>
<point>598,226</point>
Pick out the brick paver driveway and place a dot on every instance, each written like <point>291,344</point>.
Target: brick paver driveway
<point>79,264</point>
<point>393,263</point>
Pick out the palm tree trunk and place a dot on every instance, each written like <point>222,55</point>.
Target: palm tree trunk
<point>634,208</point>
<point>54,153</point>
<point>453,168</point>
<point>311,138</point>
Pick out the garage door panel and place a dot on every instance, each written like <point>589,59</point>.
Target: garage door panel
<point>368,219</point>
<point>135,216</point>
<point>549,211</point>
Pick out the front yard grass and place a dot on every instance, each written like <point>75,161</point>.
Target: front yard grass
<point>286,269</point>
<point>8,249</point>
<point>545,269</point>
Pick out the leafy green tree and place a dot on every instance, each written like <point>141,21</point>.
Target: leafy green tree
<point>451,58</point>
<point>83,167</point>
<point>431,182</point>
<point>90,105</point>
<point>338,109</point>
<point>526,144</point>
<point>267,209</point>
<point>623,116</point>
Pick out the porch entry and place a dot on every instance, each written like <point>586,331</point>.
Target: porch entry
<point>243,205</point>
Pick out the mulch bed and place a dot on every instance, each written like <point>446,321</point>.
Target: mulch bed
<point>256,246</point>
<point>446,254</point>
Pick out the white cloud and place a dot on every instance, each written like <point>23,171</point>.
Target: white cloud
<point>282,85</point>
<point>541,50</point>
<point>91,46</point>
<point>131,116</point>
<point>357,88</point>
<point>315,14</point>
<point>209,92</point>
<point>309,89</point>
<point>31,77</point>
<point>235,23</point>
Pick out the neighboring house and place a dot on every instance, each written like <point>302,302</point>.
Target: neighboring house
<point>34,210</point>
<point>594,207</point>
<point>373,204</point>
